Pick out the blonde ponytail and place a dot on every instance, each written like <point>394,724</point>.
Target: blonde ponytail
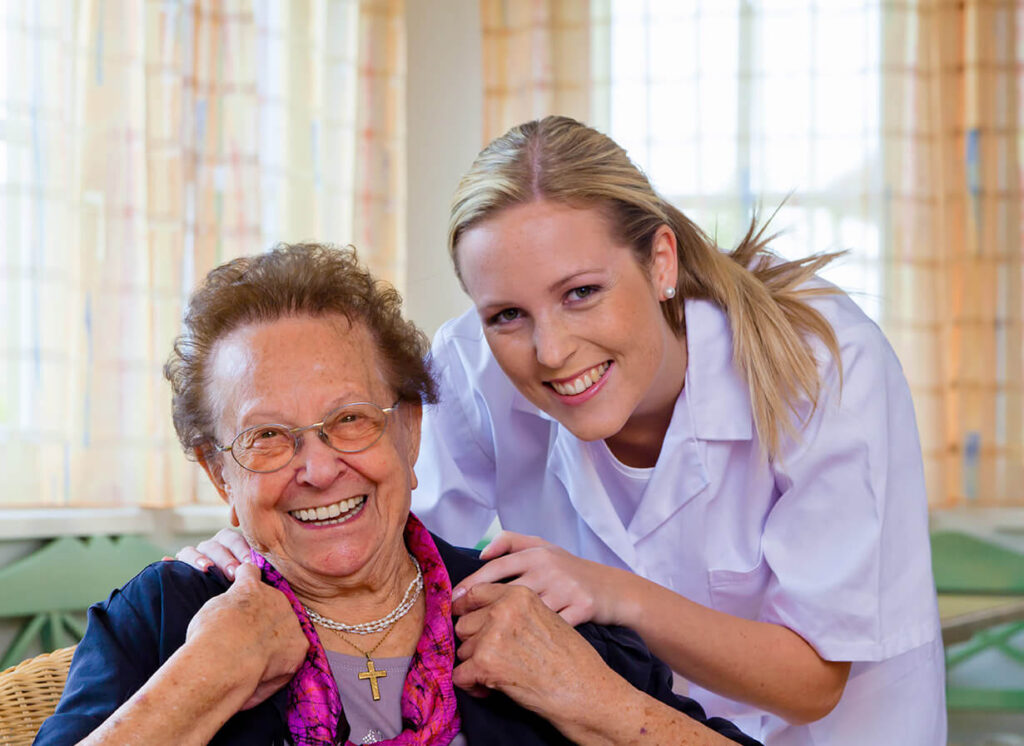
<point>766,302</point>
<point>560,159</point>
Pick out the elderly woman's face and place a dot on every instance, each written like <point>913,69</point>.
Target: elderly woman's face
<point>293,371</point>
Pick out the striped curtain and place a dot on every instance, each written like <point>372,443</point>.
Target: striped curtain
<point>895,131</point>
<point>144,142</point>
<point>537,60</point>
<point>954,298</point>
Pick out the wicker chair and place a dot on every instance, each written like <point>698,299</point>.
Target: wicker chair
<point>29,693</point>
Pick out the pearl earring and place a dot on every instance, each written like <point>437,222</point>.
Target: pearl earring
<point>670,293</point>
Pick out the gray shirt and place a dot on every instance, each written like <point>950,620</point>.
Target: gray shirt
<point>369,720</point>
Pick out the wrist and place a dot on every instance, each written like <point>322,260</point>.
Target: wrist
<point>206,658</point>
<point>587,725</point>
<point>626,607</point>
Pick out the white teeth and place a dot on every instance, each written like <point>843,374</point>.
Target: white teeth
<point>582,382</point>
<point>328,515</point>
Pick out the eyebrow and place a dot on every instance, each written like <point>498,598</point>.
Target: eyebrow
<point>256,417</point>
<point>569,278</point>
<point>554,287</point>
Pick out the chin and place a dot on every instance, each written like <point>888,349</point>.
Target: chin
<point>589,430</point>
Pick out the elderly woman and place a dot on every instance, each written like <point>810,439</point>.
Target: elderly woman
<point>298,387</point>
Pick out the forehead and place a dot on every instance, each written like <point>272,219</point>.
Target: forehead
<point>292,366</point>
<point>545,237</point>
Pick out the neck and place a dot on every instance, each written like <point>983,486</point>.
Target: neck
<point>399,641</point>
<point>397,638</point>
<point>353,600</point>
<point>639,442</point>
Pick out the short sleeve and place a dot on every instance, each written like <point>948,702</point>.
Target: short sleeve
<point>847,539</point>
<point>455,470</point>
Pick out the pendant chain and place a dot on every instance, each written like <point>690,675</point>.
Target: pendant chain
<point>412,593</point>
<point>369,652</point>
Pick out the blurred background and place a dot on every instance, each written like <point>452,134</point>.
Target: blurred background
<point>143,142</point>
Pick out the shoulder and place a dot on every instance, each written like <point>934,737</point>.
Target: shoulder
<point>460,342</point>
<point>853,328</point>
<point>475,397</point>
<point>127,638</point>
<point>459,561</point>
<point>157,604</point>
<point>463,361</point>
<point>171,583</point>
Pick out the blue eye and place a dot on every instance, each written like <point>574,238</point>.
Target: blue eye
<point>582,293</point>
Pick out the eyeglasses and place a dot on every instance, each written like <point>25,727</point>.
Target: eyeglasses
<point>350,428</point>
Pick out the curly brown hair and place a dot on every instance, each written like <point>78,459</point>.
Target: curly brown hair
<point>292,279</point>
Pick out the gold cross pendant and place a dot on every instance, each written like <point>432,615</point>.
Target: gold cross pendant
<point>373,674</point>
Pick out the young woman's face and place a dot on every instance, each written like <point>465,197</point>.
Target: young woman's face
<point>571,316</point>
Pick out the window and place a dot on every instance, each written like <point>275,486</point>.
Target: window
<point>734,105</point>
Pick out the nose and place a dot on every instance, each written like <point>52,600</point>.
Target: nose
<point>319,464</point>
<point>552,342</point>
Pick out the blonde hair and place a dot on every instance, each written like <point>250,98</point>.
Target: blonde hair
<point>560,159</point>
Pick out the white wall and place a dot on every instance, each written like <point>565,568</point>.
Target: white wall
<point>444,101</point>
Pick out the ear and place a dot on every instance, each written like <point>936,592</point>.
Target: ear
<point>411,420</point>
<point>664,261</point>
<point>213,465</point>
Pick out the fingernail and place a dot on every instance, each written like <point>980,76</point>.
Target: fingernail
<point>458,593</point>
<point>165,558</point>
<point>230,571</point>
<point>204,564</point>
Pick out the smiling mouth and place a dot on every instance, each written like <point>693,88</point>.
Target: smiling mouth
<point>329,515</point>
<point>580,383</point>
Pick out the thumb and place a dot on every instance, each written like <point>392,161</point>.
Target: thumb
<point>247,574</point>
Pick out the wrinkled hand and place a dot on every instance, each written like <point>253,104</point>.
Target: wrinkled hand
<point>253,630</point>
<point>513,643</point>
<point>577,589</point>
<point>227,550</point>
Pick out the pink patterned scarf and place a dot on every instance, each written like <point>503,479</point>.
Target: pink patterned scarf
<point>429,711</point>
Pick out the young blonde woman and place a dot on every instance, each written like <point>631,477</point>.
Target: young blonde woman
<point>715,449</point>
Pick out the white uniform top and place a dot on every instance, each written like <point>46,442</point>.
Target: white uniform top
<point>830,541</point>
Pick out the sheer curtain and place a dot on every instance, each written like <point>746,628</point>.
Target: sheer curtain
<point>889,130</point>
<point>536,60</point>
<point>143,143</point>
<point>953,263</point>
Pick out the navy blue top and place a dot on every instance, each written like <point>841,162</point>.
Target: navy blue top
<point>132,633</point>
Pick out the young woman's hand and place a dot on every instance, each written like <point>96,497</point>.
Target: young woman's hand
<point>577,589</point>
<point>227,549</point>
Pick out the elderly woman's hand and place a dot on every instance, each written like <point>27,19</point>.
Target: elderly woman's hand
<point>252,629</point>
<point>513,643</point>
